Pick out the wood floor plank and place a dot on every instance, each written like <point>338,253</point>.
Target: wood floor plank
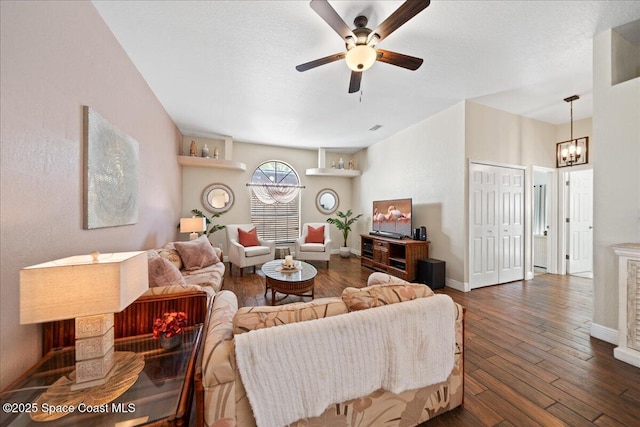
<point>568,416</point>
<point>520,401</point>
<point>576,405</point>
<point>611,405</point>
<point>481,411</point>
<point>516,384</point>
<point>506,409</point>
<point>529,358</point>
<point>606,421</point>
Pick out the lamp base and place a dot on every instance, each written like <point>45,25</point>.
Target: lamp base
<point>128,366</point>
<point>193,236</point>
<point>93,383</point>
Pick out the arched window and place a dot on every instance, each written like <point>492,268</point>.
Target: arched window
<point>275,201</point>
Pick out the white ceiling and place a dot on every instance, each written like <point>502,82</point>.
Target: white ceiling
<point>227,67</point>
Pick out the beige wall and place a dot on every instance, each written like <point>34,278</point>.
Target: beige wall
<point>55,58</point>
<point>616,153</point>
<point>424,162</point>
<point>499,137</point>
<point>196,179</point>
<point>432,159</point>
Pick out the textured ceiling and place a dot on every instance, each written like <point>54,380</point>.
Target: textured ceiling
<point>227,67</point>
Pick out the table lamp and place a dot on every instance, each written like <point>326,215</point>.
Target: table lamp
<point>89,288</point>
<point>193,225</point>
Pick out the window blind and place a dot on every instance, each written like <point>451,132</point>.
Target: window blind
<point>276,221</point>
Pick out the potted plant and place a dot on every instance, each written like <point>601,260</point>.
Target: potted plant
<point>169,328</point>
<point>344,223</point>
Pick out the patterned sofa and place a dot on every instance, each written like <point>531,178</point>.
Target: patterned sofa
<point>221,398</point>
<point>195,262</point>
<point>183,276</point>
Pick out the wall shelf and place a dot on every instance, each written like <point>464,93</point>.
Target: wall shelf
<point>203,162</point>
<point>323,170</point>
<point>349,173</point>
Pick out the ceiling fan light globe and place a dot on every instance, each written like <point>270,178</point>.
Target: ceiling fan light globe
<point>361,57</point>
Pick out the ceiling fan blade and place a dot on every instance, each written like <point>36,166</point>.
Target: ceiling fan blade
<point>406,11</point>
<point>318,62</point>
<point>354,83</point>
<point>331,17</point>
<point>399,59</point>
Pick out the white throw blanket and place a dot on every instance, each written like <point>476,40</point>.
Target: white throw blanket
<point>297,370</point>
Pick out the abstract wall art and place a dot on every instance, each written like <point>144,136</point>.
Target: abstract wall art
<point>111,174</point>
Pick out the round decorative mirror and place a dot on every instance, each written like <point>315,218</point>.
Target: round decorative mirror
<point>327,201</point>
<point>217,198</point>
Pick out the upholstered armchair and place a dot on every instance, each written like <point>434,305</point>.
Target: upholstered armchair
<point>314,246</point>
<point>254,251</point>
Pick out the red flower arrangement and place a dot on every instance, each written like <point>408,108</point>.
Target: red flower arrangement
<point>172,323</point>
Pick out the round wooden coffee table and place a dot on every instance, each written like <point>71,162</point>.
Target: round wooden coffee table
<point>298,281</point>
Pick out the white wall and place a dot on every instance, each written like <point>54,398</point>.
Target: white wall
<point>196,179</point>
<point>616,153</point>
<point>55,58</point>
<point>424,162</point>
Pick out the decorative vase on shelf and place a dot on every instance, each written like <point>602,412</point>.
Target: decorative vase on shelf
<point>216,154</point>
<point>169,343</point>
<point>205,151</point>
<point>341,163</point>
<point>193,149</point>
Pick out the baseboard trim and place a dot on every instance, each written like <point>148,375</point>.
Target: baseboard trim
<point>458,286</point>
<point>529,275</point>
<point>604,333</point>
<point>627,355</point>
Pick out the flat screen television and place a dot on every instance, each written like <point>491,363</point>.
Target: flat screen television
<point>393,216</point>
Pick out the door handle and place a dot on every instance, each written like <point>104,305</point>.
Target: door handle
<point>591,227</point>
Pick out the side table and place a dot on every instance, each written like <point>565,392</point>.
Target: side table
<point>282,251</point>
<point>162,395</point>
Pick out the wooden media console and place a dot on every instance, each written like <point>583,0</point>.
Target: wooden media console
<point>398,257</point>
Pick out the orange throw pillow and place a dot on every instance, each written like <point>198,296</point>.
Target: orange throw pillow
<point>248,238</point>
<point>315,235</point>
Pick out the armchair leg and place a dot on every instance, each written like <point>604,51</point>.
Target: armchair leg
<point>327,265</point>
<point>241,271</point>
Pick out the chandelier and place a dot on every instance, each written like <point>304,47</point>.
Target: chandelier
<point>574,151</point>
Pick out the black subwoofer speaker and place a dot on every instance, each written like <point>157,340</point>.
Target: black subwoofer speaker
<point>431,272</point>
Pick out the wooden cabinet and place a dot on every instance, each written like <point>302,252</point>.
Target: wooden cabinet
<point>393,256</point>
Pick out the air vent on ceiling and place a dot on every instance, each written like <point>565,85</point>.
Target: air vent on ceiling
<point>375,127</point>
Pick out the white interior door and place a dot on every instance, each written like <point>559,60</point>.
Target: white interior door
<point>580,226</point>
<point>496,225</point>
<point>511,229</point>
<point>483,219</point>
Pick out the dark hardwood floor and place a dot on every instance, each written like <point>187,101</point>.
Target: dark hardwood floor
<point>529,359</point>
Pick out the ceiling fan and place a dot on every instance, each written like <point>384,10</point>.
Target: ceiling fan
<point>361,53</point>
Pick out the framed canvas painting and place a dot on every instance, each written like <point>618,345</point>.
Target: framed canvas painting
<point>111,174</point>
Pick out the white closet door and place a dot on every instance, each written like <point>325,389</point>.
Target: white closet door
<point>484,229</point>
<point>511,224</point>
<point>496,225</point>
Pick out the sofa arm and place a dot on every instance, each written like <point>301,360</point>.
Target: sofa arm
<point>215,373</point>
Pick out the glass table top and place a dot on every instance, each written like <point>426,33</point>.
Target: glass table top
<point>303,272</point>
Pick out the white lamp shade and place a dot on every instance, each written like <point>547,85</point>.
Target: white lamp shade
<point>192,225</point>
<point>77,286</point>
<point>361,57</point>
